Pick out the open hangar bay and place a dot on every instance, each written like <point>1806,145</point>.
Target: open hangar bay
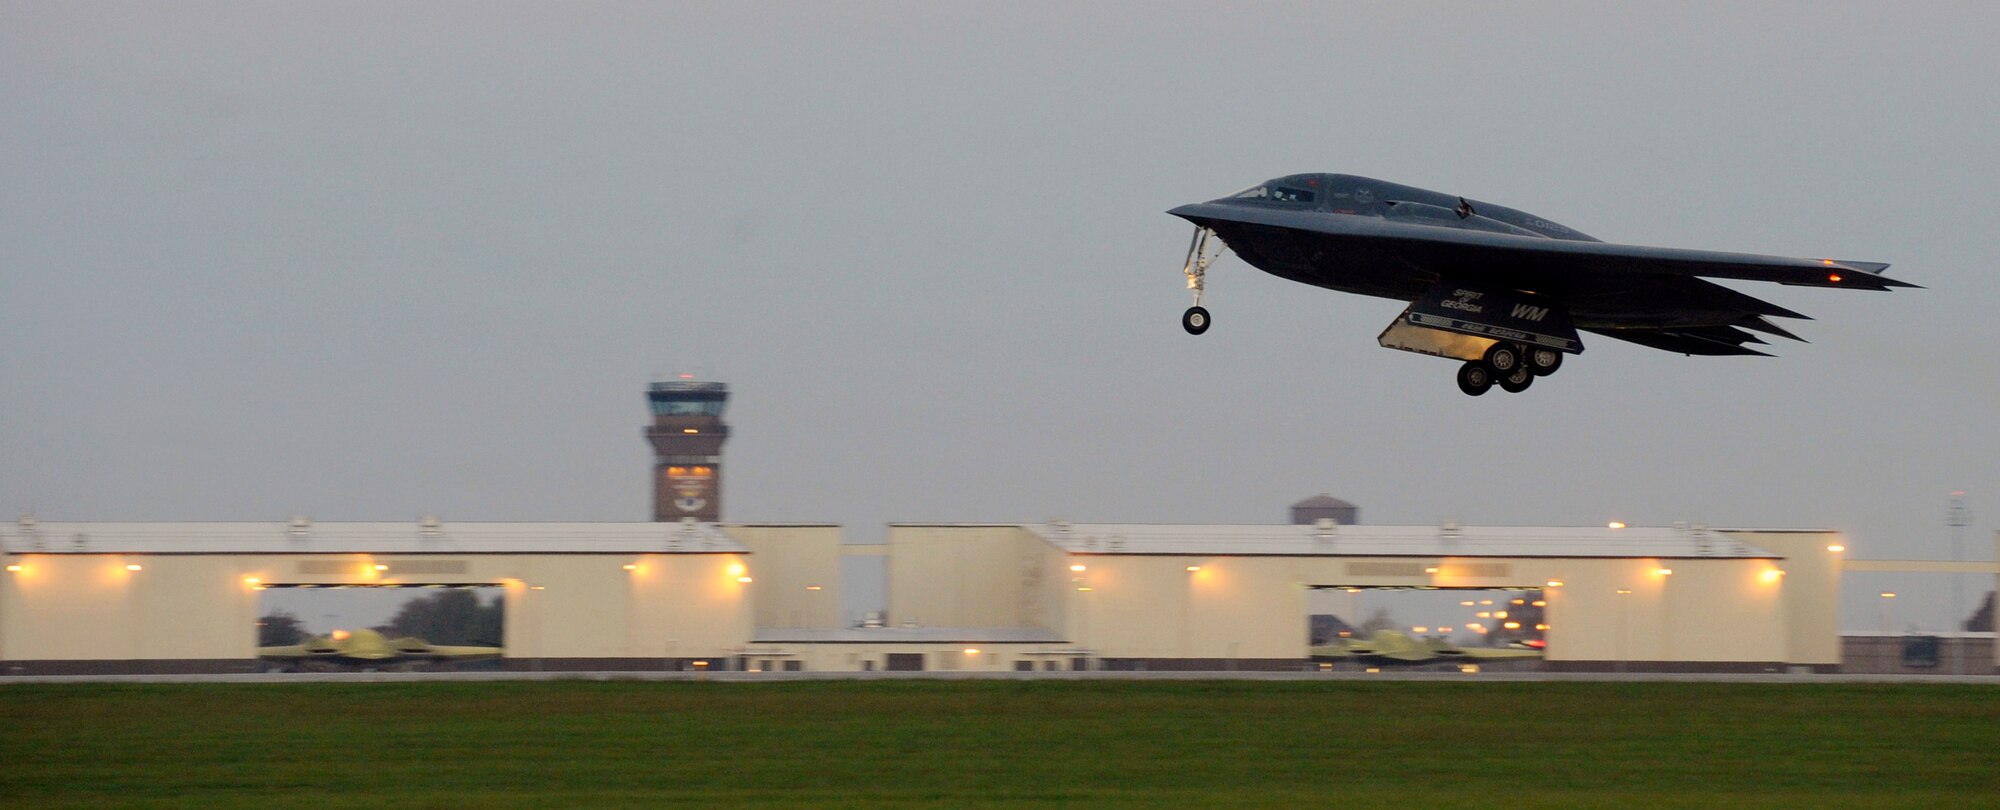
<point>108,598</point>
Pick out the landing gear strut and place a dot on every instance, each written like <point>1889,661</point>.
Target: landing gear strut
<point>1204,249</point>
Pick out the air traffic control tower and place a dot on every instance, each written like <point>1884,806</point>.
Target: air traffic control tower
<point>687,435</point>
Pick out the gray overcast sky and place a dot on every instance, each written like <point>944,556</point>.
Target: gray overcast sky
<point>373,261</point>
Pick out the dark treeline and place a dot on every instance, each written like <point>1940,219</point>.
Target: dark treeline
<point>280,628</point>
<point>455,616</point>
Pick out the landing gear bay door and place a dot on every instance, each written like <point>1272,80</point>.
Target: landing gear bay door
<point>1463,320</point>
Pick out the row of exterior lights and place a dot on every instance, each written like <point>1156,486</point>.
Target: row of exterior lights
<point>16,568</point>
<point>1078,568</point>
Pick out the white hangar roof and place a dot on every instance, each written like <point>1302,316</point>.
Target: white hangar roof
<point>1396,541</point>
<point>414,537</point>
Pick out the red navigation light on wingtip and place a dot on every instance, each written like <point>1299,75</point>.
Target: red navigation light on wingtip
<point>1536,643</point>
<point>1833,277</point>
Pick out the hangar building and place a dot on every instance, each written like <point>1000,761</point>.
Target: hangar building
<point>183,597</point>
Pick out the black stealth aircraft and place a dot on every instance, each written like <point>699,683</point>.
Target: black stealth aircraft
<point>1503,290</point>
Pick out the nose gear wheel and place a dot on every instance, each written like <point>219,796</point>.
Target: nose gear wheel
<point>1203,250</point>
<point>1195,320</point>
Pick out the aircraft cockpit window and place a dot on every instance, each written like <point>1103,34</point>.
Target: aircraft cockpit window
<point>1284,194</point>
<point>1275,194</point>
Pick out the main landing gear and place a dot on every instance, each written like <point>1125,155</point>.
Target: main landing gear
<point>1513,366</point>
<point>1203,250</point>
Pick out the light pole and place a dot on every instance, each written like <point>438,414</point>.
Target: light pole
<point>1955,517</point>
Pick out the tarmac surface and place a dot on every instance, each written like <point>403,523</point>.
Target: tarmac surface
<point>774,677</point>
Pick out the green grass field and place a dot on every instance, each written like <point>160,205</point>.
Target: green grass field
<point>975,743</point>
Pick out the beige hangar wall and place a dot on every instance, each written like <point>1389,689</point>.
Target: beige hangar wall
<point>89,607</point>
<point>796,573</point>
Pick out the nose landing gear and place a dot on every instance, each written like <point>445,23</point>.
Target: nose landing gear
<point>1204,249</point>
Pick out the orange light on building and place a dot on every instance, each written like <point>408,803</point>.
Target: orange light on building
<point>737,569</point>
<point>1512,625</point>
<point>1431,570</point>
<point>1836,548</point>
<point>251,580</point>
<point>1467,603</point>
<point>1616,524</point>
<point>381,566</point>
<point>744,580</point>
<point>1193,568</point>
<point>631,567</point>
<point>690,431</point>
<point>1540,603</point>
<point>1541,627</point>
<point>1079,567</point>
<point>1664,572</point>
<point>134,567</point>
<point>1772,575</point>
<point>972,651</point>
<point>1555,583</point>
<point>812,587</point>
<point>1499,614</point>
<point>16,568</point>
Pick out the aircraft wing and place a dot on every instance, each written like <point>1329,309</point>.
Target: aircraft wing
<point>448,651</point>
<point>419,648</point>
<point>1705,340</point>
<point>1535,257</point>
<point>1497,653</point>
<point>297,651</point>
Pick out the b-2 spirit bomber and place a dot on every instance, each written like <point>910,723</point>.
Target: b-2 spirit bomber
<point>1503,290</point>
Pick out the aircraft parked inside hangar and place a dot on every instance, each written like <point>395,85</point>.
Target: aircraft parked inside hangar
<point>368,649</point>
<point>1503,290</point>
<point>1390,648</point>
